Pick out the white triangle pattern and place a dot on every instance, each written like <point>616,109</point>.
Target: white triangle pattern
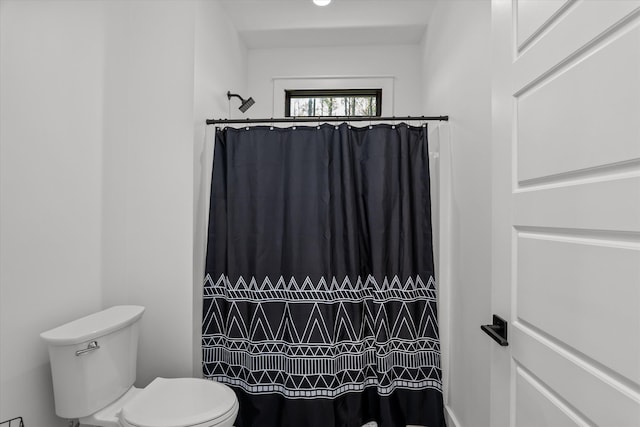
<point>299,340</point>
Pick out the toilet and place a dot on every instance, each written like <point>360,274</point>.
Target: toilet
<point>93,365</point>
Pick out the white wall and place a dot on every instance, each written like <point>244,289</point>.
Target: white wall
<point>148,177</point>
<point>401,62</point>
<point>457,81</point>
<point>52,69</point>
<point>220,65</point>
<point>101,104</point>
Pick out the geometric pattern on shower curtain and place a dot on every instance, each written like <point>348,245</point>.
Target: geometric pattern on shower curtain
<point>310,356</point>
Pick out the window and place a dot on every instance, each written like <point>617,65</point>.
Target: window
<point>330,102</point>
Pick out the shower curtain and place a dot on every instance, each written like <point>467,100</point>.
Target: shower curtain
<point>319,297</point>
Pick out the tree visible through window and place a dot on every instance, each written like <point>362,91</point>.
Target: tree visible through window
<point>328,103</point>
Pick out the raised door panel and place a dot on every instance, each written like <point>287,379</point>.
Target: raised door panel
<point>600,398</point>
<point>534,16</point>
<point>595,201</point>
<point>536,405</point>
<point>593,278</point>
<point>575,32</point>
<point>572,120</point>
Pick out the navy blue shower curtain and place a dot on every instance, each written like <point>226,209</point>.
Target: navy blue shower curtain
<point>319,297</point>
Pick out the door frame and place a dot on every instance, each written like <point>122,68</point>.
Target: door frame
<point>502,187</point>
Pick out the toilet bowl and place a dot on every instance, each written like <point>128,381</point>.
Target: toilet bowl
<point>175,402</point>
<point>181,402</point>
<point>93,365</point>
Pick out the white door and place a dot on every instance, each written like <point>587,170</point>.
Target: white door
<point>566,191</point>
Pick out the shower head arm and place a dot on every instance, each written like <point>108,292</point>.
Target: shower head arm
<point>232,95</point>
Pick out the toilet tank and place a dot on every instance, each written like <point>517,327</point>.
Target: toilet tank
<point>93,359</point>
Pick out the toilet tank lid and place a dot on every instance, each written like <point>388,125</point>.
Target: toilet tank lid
<point>93,325</point>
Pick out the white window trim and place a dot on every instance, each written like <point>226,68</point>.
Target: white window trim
<point>386,83</point>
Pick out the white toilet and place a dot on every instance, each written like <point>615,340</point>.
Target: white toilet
<point>93,364</point>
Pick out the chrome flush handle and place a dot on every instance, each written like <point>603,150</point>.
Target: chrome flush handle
<point>92,346</point>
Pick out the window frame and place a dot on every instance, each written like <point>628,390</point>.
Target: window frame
<point>322,93</point>
<point>280,84</point>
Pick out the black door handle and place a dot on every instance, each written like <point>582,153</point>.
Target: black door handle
<point>497,331</point>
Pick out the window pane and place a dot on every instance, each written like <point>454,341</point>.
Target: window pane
<point>334,103</point>
<point>334,106</point>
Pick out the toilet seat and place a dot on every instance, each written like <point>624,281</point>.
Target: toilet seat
<point>180,402</point>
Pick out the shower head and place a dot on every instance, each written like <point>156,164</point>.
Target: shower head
<point>246,103</point>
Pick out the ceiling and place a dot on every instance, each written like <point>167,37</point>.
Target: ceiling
<point>299,23</point>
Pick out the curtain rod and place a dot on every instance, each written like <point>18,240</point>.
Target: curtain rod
<point>329,119</point>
